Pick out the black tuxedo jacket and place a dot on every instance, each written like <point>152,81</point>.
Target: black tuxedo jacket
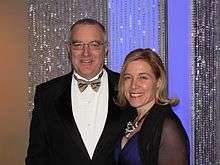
<point>54,136</point>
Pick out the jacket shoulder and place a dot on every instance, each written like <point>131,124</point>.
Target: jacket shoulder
<point>55,82</point>
<point>113,77</point>
<point>112,73</point>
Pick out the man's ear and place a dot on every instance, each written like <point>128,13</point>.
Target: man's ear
<point>67,46</point>
<point>106,48</point>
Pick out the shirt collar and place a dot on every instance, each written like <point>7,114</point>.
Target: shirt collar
<point>80,77</point>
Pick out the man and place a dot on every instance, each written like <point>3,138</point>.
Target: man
<point>74,122</point>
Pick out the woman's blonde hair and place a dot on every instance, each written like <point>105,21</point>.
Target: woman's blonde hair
<point>156,64</point>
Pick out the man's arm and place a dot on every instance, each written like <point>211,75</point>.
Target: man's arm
<point>37,153</point>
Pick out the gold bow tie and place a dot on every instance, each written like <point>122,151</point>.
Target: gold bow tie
<point>83,84</point>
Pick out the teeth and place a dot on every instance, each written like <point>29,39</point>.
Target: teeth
<point>135,95</point>
<point>86,61</point>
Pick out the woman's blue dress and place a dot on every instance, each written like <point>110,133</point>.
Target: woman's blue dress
<point>129,155</point>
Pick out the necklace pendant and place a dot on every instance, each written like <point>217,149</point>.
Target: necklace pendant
<point>130,128</point>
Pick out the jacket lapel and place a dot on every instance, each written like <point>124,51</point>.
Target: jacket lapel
<point>64,110</point>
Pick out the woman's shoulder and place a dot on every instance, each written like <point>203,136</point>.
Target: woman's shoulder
<point>170,120</point>
<point>160,115</point>
<point>165,111</point>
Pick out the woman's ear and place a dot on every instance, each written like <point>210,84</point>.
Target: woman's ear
<point>159,83</point>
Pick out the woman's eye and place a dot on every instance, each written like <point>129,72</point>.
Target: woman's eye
<point>144,77</point>
<point>127,77</point>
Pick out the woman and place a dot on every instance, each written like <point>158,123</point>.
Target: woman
<point>156,135</point>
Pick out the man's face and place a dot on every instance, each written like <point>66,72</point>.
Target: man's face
<point>87,60</point>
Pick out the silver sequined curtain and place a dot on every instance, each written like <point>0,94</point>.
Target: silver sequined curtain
<point>217,49</point>
<point>205,52</point>
<point>163,31</point>
<point>48,25</point>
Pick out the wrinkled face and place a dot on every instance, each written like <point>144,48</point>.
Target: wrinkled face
<point>87,50</point>
<point>140,84</point>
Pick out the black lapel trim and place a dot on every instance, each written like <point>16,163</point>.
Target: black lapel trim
<point>64,110</point>
<point>113,125</point>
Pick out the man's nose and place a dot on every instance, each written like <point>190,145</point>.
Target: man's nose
<point>86,50</point>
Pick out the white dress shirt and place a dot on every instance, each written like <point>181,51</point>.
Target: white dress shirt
<point>90,110</point>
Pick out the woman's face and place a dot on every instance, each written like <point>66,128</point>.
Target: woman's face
<point>140,84</point>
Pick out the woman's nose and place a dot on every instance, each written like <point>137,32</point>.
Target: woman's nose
<point>134,83</point>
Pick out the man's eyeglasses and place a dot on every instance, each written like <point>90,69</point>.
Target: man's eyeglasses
<point>93,45</point>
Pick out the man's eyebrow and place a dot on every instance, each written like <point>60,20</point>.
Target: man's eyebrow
<point>76,41</point>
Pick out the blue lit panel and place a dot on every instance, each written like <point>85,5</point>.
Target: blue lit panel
<point>179,59</point>
<point>131,24</point>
